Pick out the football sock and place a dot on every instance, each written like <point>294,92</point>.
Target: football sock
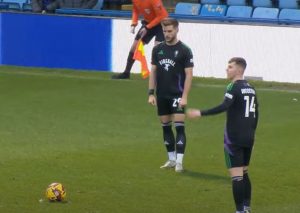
<point>238,192</point>
<point>180,137</point>
<point>247,190</point>
<point>130,62</point>
<point>169,139</point>
<point>172,156</point>
<point>179,158</point>
<point>247,209</point>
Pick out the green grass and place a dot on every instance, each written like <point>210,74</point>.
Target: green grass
<point>101,139</point>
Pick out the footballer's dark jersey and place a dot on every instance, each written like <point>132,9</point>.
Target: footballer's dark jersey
<point>241,104</point>
<point>171,60</point>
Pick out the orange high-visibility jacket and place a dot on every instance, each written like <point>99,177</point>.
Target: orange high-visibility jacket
<point>153,12</point>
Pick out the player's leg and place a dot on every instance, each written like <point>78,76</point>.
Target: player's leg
<point>178,118</point>
<point>234,163</point>
<point>247,190</point>
<point>180,140</point>
<point>165,117</point>
<point>236,174</point>
<point>130,61</point>
<point>169,140</point>
<point>159,35</point>
<point>246,179</point>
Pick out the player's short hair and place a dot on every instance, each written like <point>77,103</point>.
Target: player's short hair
<point>239,61</point>
<point>170,22</point>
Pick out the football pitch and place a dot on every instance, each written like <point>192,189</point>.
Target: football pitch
<point>103,142</point>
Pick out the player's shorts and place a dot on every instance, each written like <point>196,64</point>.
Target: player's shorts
<point>169,106</point>
<point>237,156</point>
<point>155,31</point>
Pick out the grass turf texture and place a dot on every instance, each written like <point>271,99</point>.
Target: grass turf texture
<point>101,139</point>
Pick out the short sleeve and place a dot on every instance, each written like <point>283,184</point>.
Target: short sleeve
<point>189,61</point>
<point>229,94</point>
<point>154,56</point>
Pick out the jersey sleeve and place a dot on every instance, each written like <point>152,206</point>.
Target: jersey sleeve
<point>256,113</point>
<point>160,13</point>
<point>227,102</point>
<point>153,56</point>
<point>135,16</point>
<point>188,61</point>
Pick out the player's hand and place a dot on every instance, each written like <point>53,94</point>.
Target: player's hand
<point>132,29</point>
<point>193,113</point>
<point>143,32</point>
<point>152,100</point>
<point>182,102</point>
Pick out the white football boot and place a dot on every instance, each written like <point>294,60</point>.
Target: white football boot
<point>168,164</point>
<point>178,167</point>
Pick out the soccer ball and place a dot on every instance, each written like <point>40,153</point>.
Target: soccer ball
<point>55,192</point>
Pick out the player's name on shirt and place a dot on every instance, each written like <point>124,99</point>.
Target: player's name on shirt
<point>248,91</point>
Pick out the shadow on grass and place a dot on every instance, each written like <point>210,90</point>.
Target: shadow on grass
<point>49,202</point>
<point>205,176</point>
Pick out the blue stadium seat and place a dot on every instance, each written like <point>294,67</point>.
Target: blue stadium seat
<point>111,13</point>
<point>265,12</point>
<point>214,10</point>
<point>10,6</point>
<point>99,5</point>
<point>26,7</point>
<point>187,8</point>
<point>3,6</point>
<point>210,2</point>
<point>289,4</point>
<point>20,2</point>
<point>289,14</point>
<point>239,11</point>
<point>236,2</point>
<point>262,3</point>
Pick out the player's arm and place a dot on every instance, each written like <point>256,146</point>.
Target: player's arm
<point>194,113</point>
<point>152,78</point>
<point>135,16</point>
<point>256,118</point>
<point>228,101</point>
<point>152,85</point>
<point>218,109</point>
<point>188,64</point>
<point>187,86</point>
<point>256,114</point>
<point>160,13</point>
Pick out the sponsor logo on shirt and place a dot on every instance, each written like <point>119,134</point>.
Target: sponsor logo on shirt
<point>166,63</point>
